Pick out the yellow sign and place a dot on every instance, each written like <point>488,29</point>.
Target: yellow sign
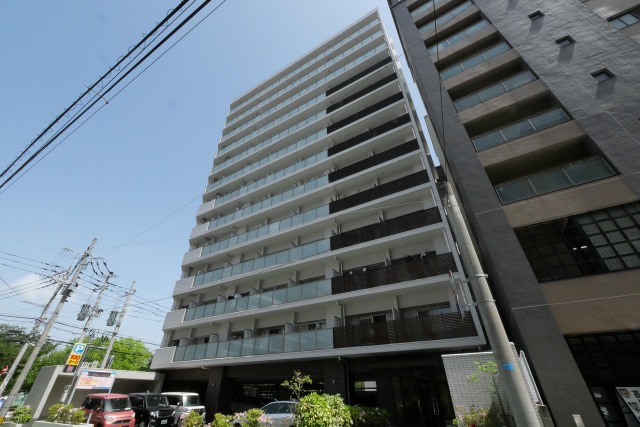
<point>74,359</point>
<point>75,356</point>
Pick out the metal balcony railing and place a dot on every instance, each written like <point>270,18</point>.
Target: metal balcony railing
<point>383,190</point>
<point>386,228</point>
<point>436,327</point>
<point>399,271</point>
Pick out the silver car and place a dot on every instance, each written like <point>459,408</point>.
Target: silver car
<point>184,402</point>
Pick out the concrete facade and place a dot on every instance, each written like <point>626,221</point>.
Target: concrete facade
<point>321,245</point>
<point>540,306</point>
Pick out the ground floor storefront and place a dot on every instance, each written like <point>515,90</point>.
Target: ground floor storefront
<point>412,388</point>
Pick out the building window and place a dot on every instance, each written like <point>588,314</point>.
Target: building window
<point>624,20</point>
<point>596,242</point>
<point>602,75</point>
<point>536,15</point>
<point>565,41</point>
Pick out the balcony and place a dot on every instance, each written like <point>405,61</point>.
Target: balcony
<point>365,112</point>
<point>399,271</point>
<point>494,90</point>
<point>293,342</point>
<point>567,176</point>
<point>267,261</point>
<point>429,328</point>
<point>383,190</point>
<point>264,299</point>
<point>375,160</point>
<point>386,228</point>
<point>475,60</point>
<point>455,19</point>
<point>520,129</point>
<point>438,327</point>
<point>458,37</point>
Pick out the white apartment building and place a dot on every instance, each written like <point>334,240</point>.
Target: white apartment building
<point>321,245</point>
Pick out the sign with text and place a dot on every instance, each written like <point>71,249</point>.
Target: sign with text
<point>74,357</point>
<point>631,396</point>
<point>96,380</point>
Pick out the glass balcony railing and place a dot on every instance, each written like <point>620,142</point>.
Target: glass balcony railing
<point>519,129</point>
<point>260,300</point>
<point>297,95</point>
<point>278,198</point>
<point>273,177</point>
<point>566,176</point>
<point>275,227</point>
<point>474,60</point>
<point>300,143</point>
<point>459,36</point>
<point>417,329</point>
<point>293,342</point>
<point>494,90</point>
<point>443,19</point>
<point>425,6</point>
<point>271,260</point>
<point>275,138</point>
<point>309,62</point>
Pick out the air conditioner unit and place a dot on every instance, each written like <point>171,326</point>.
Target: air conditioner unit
<point>221,298</point>
<point>192,304</point>
<point>183,342</point>
<point>248,333</point>
<point>213,338</point>
<point>288,328</point>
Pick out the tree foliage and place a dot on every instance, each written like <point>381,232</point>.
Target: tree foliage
<point>129,353</point>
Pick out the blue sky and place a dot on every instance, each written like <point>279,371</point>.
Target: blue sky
<point>133,175</point>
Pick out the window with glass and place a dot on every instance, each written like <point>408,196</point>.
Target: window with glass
<point>592,243</point>
<point>626,19</point>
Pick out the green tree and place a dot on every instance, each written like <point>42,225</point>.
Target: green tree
<point>296,384</point>
<point>129,354</point>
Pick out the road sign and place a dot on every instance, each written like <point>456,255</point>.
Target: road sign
<point>75,357</point>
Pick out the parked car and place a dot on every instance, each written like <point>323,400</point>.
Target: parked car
<point>184,402</point>
<point>243,403</point>
<point>152,410</point>
<point>109,410</point>
<point>279,414</point>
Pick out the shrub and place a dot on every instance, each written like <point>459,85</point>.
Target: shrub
<point>320,410</point>
<point>193,419</point>
<point>220,420</point>
<point>65,414</point>
<point>365,416</point>
<point>21,415</point>
<point>251,418</point>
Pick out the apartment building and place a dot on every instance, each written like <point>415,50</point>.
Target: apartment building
<point>321,245</point>
<point>534,108</point>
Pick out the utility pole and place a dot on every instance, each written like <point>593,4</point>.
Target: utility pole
<point>69,288</point>
<point>26,344</point>
<point>118,323</point>
<point>95,311</point>
<point>516,391</point>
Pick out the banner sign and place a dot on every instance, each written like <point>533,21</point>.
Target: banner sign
<point>631,396</point>
<point>96,380</point>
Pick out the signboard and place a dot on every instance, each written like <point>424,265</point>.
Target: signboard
<point>96,380</point>
<point>631,396</point>
<point>74,357</point>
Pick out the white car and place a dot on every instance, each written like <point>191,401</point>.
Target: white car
<point>276,414</point>
<point>184,402</point>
